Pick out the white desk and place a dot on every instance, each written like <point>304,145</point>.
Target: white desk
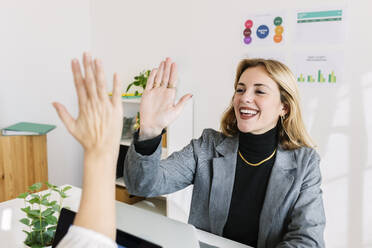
<point>11,234</point>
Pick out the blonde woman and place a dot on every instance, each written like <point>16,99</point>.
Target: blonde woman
<point>256,182</point>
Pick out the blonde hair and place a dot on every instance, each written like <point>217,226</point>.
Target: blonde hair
<point>292,132</point>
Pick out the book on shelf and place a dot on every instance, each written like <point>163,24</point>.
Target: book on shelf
<point>27,128</point>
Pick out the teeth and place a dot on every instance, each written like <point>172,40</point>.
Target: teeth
<point>247,111</point>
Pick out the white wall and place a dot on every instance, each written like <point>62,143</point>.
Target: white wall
<point>38,40</point>
<point>205,38</point>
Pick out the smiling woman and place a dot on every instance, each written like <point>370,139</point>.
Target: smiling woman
<point>256,182</point>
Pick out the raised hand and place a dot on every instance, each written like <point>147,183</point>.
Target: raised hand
<point>99,124</point>
<point>158,108</point>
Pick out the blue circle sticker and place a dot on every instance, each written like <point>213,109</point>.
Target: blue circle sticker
<point>262,31</point>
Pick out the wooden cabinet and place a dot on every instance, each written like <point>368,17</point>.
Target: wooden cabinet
<point>121,194</point>
<point>23,162</point>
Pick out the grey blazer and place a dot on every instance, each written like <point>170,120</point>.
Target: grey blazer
<point>292,214</point>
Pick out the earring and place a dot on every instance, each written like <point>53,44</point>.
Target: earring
<point>282,117</point>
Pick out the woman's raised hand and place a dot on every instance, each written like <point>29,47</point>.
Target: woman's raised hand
<point>99,124</point>
<point>158,108</point>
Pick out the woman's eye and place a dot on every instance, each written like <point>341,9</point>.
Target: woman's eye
<point>260,92</point>
<point>239,90</point>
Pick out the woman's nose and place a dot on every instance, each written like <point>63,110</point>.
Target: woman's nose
<point>247,97</point>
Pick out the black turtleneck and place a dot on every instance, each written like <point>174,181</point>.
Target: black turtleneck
<point>250,186</point>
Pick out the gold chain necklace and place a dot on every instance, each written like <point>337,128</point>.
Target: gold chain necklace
<point>259,163</point>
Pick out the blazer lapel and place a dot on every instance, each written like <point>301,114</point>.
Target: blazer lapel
<point>280,182</point>
<point>222,184</point>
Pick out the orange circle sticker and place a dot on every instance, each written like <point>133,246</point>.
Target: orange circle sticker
<point>278,38</point>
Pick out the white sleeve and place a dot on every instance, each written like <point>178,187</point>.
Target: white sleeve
<point>77,237</point>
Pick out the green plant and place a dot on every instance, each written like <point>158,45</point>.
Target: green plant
<point>41,211</point>
<point>139,81</point>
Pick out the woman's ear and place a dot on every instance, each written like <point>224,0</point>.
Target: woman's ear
<point>284,110</point>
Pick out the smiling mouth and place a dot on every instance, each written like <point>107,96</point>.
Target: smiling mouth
<point>247,113</point>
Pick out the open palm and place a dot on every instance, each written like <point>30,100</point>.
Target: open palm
<point>158,108</point>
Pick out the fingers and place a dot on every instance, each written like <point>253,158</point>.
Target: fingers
<point>79,82</point>
<point>150,80</point>
<point>166,74</point>
<point>173,76</point>
<point>181,103</point>
<point>116,92</point>
<point>90,83</point>
<point>100,79</point>
<point>159,75</point>
<point>65,117</point>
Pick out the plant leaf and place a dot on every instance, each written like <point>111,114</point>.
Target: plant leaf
<point>45,203</point>
<point>130,85</point>
<point>56,190</point>
<point>35,186</point>
<point>34,200</point>
<point>35,213</point>
<point>62,194</point>
<point>40,225</point>
<point>45,196</point>
<point>52,228</point>
<point>25,221</point>
<point>23,195</point>
<point>55,207</point>
<point>51,219</point>
<point>51,186</point>
<point>26,209</point>
<point>47,212</point>
<point>66,188</point>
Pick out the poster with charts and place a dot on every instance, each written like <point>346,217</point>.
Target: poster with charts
<point>318,69</point>
<point>325,26</point>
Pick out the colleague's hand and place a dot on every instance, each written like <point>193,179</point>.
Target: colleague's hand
<point>158,108</point>
<point>99,124</point>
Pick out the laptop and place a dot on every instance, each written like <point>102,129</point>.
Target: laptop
<point>138,228</point>
<point>123,239</point>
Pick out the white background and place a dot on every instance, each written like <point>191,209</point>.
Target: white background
<point>205,38</point>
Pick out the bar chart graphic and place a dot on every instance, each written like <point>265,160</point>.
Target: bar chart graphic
<point>323,68</point>
<point>319,77</point>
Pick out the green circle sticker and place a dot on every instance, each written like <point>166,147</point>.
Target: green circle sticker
<point>277,21</point>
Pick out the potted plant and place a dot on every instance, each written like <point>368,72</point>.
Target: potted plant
<point>42,214</point>
<point>139,81</point>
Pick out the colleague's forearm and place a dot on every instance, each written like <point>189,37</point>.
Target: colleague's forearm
<point>97,205</point>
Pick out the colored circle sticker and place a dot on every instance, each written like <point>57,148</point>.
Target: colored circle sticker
<point>279,30</point>
<point>262,31</point>
<point>247,40</point>
<point>278,38</point>
<point>247,32</point>
<point>248,24</point>
<point>278,21</point>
